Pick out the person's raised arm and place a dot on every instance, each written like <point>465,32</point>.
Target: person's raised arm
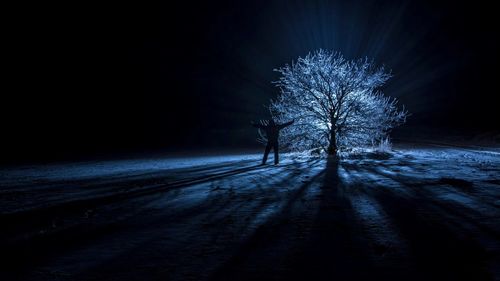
<point>286,124</point>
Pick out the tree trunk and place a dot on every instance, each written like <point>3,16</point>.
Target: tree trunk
<point>332,147</point>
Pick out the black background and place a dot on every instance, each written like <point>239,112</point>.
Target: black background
<point>87,80</point>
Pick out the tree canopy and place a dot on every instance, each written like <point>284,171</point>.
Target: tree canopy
<point>335,102</point>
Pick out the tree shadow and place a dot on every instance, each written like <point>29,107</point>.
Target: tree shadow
<point>303,244</point>
<point>440,249</point>
<point>292,222</point>
<point>335,248</point>
<point>339,242</point>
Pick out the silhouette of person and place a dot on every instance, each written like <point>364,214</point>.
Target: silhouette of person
<point>272,131</point>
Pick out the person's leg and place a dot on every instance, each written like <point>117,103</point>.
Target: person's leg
<point>276,154</point>
<point>266,153</point>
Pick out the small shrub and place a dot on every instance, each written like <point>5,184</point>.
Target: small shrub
<point>384,146</point>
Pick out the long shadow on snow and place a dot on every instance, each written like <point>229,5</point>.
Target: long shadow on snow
<point>300,243</point>
<point>336,246</point>
<point>39,248</point>
<point>440,252</point>
<point>224,222</point>
<point>60,190</point>
<point>28,222</point>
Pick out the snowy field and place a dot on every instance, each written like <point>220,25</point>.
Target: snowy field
<point>419,213</point>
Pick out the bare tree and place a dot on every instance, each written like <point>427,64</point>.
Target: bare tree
<point>335,103</point>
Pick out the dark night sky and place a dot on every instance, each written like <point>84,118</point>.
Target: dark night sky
<point>104,79</point>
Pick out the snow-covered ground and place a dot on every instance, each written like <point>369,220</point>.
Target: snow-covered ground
<point>419,213</point>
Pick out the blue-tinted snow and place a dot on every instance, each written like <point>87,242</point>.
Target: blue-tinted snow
<point>224,201</point>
